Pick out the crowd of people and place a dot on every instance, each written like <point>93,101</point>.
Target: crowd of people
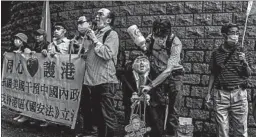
<point>157,71</point>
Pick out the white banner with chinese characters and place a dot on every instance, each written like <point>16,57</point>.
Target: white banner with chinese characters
<point>44,88</point>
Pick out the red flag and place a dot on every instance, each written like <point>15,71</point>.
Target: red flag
<point>46,20</point>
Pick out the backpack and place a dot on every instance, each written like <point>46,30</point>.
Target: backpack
<point>168,43</point>
<point>120,56</point>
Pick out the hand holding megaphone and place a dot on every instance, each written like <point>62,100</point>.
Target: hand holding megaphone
<point>137,37</point>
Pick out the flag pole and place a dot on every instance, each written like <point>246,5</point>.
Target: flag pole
<point>246,20</point>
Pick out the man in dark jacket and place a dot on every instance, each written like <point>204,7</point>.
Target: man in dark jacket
<point>40,41</point>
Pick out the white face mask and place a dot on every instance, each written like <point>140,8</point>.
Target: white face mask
<point>232,39</point>
<point>17,42</point>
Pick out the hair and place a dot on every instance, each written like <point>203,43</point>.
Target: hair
<point>161,26</point>
<point>225,28</point>
<point>112,16</point>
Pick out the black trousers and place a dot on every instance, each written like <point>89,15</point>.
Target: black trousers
<point>103,108</point>
<point>85,117</point>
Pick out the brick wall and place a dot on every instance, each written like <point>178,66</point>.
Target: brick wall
<point>196,23</point>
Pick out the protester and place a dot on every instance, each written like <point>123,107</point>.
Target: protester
<point>230,71</point>
<point>20,46</point>
<point>40,44</point>
<point>60,43</point>
<point>40,41</point>
<point>81,45</point>
<point>163,50</point>
<point>100,73</point>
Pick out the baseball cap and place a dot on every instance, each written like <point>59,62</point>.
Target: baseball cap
<point>22,36</point>
<point>60,24</point>
<point>40,32</point>
<point>81,19</point>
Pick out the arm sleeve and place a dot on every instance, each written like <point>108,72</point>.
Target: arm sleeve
<point>109,49</point>
<point>175,52</point>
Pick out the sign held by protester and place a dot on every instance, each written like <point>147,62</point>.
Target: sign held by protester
<point>44,88</point>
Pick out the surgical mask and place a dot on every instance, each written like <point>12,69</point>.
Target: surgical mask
<point>232,39</point>
<point>17,42</point>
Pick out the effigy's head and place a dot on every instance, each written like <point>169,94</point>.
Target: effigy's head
<point>141,65</point>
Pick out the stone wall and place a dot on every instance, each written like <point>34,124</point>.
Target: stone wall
<point>196,23</point>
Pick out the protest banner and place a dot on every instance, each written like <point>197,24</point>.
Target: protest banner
<point>43,88</point>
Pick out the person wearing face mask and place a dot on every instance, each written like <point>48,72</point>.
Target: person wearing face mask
<point>20,43</point>
<point>20,46</point>
<point>230,70</point>
<point>81,45</point>
<point>100,74</point>
<point>164,49</point>
<point>60,43</point>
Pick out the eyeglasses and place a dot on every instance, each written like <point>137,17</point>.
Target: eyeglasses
<point>58,28</point>
<point>81,22</point>
<point>233,33</point>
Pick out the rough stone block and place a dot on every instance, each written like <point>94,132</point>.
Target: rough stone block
<point>239,18</point>
<point>142,9</point>
<point>186,89</point>
<point>199,92</point>
<point>204,44</point>
<point>134,20</point>
<point>104,4</point>
<point>148,20</point>
<point>184,20</point>
<point>122,32</point>
<point>116,10</point>
<point>63,16</point>
<point>222,18</point>
<point>74,14</point>
<point>199,114</point>
<point>191,79</point>
<point>193,103</point>
<point>249,44</point>
<point>198,126</point>
<point>80,4</point>
<point>187,43</point>
<point>193,7</point>
<point>126,10</point>
<point>130,45</point>
<point>56,7</point>
<point>120,22</point>
<point>194,56</point>
<point>118,3</point>
<point>157,8</point>
<point>195,32</point>
<point>200,68</point>
<point>179,31</point>
<point>184,112</point>
<point>213,32</point>
<point>175,8</point>
<point>212,6</point>
<point>202,19</point>
<point>251,32</point>
<point>209,127</point>
<point>69,5</point>
<point>233,6</point>
<point>252,20</point>
<point>205,80</point>
<point>86,12</point>
<point>71,25</point>
<point>171,18</point>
